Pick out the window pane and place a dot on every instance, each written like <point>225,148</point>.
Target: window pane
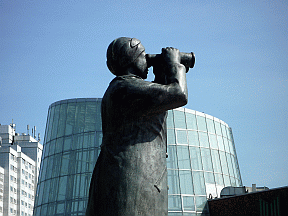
<point>191,121</point>
<point>59,145</point>
<point>174,203</point>
<point>179,119</point>
<point>70,121</point>
<point>172,157</point>
<point>181,137</point>
<point>219,179</point>
<point>223,130</point>
<point>171,136</point>
<point>210,184</point>
<point>206,159</point>
<point>226,144</point>
<point>229,162</point>
<point>223,162</point>
<point>62,120</point>
<point>226,180</point>
<point>170,119</point>
<point>90,117</point>
<point>218,128</point>
<point>67,143</point>
<point>173,182</point>
<point>199,186</point>
<point>193,138</point>
<point>183,157</point>
<point>52,147</point>
<point>195,155</point>
<point>213,141</point>
<point>62,188</point>
<point>80,118</point>
<point>203,137</point>
<point>55,122</point>
<point>216,161</point>
<point>188,203</point>
<point>201,204</point>
<point>220,143</point>
<point>210,125</point>
<point>186,182</point>
<point>65,164</point>
<point>201,123</point>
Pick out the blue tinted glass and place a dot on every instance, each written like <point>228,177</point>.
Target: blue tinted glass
<point>188,203</point>
<point>52,147</point>
<point>200,203</point>
<point>179,119</point>
<point>51,116</point>
<point>210,125</point>
<point>213,141</point>
<point>219,179</point>
<point>191,121</point>
<point>70,120</point>
<point>193,138</point>
<point>173,182</point>
<point>206,159</point>
<point>223,162</point>
<point>220,143</point>
<point>181,137</point>
<point>90,116</point>
<point>223,130</point>
<point>201,123</point>
<point>172,157</point>
<point>226,180</point>
<point>226,144</point>
<point>62,120</point>
<point>195,155</point>
<point>218,128</point>
<point>174,203</point>
<point>171,136</point>
<point>203,137</point>
<point>170,119</point>
<point>229,162</point>
<point>80,118</point>
<point>55,122</point>
<point>216,161</point>
<point>186,182</point>
<point>199,186</point>
<point>183,157</point>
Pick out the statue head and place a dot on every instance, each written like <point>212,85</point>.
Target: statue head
<point>122,53</point>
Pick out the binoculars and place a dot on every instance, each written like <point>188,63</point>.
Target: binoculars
<point>187,59</point>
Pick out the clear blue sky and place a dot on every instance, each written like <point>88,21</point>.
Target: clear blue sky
<point>54,50</point>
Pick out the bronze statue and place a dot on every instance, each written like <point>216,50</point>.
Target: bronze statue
<point>130,176</point>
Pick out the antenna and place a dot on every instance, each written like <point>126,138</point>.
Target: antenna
<point>39,137</point>
<point>34,131</point>
<point>27,129</point>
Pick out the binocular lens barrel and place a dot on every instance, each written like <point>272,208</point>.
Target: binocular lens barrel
<point>187,59</point>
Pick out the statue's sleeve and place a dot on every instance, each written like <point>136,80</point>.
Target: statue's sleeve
<point>139,97</point>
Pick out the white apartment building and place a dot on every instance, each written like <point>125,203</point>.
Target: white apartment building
<point>20,158</point>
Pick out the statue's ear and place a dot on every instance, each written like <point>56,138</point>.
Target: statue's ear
<point>134,42</point>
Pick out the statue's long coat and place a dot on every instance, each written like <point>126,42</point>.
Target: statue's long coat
<point>130,176</point>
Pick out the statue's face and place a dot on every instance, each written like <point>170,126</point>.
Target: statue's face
<point>141,68</point>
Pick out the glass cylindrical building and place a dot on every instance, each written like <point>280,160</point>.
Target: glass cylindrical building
<point>201,158</point>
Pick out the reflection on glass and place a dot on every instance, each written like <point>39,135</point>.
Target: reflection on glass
<point>223,162</point>
<point>201,123</point>
<point>183,157</point>
<point>218,128</point>
<point>193,138</point>
<point>199,186</point>
<point>203,137</point>
<point>210,125</point>
<point>213,141</point>
<point>216,161</point>
<point>181,137</point>
<point>179,118</point>
<point>171,136</point>
<point>172,157</point>
<point>191,121</point>
<point>174,203</point>
<point>200,203</point>
<point>173,182</point>
<point>206,159</point>
<point>188,203</point>
<point>170,119</point>
<point>195,155</point>
<point>186,183</point>
<point>220,143</point>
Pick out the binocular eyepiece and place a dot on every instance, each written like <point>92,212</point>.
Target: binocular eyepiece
<point>187,59</point>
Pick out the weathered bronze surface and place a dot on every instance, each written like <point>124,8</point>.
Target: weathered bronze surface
<point>130,176</point>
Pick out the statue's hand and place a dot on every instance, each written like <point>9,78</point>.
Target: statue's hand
<point>171,55</point>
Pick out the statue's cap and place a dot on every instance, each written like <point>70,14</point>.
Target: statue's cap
<point>122,52</point>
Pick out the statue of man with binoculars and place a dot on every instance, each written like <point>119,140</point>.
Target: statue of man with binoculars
<point>130,176</point>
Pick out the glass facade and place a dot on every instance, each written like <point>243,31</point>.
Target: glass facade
<point>201,159</point>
